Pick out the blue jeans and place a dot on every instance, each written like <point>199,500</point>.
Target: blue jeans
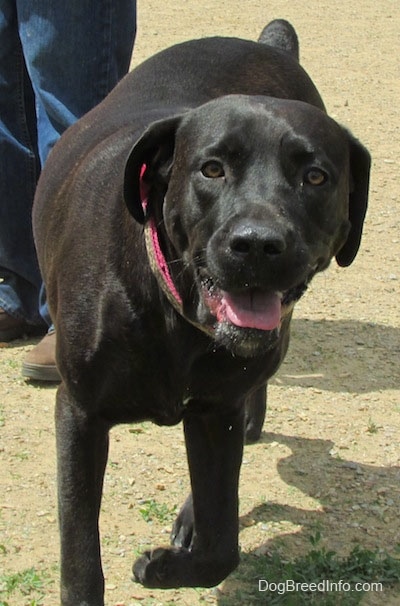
<point>57,61</point>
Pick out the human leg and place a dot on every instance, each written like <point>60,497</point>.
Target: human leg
<point>74,59</point>
<point>19,168</point>
<point>74,56</point>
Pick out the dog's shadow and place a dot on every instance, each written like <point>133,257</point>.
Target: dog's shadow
<point>342,355</point>
<point>358,505</point>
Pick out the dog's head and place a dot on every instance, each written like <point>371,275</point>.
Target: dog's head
<point>252,196</point>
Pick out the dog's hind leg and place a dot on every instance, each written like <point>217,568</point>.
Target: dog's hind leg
<point>281,34</point>
<point>214,445</point>
<point>256,408</point>
<point>182,530</point>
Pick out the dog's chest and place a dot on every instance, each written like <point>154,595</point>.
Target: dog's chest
<point>161,385</point>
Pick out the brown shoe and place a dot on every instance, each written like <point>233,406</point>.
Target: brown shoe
<point>13,328</point>
<point>40,363</point>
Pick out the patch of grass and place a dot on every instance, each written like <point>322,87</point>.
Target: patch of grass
<point>21,456</point>
<point>151,510</point>
<point>340,574</point>
<point>13,364</point>
<point>28,583</point>
<point>372,427</point>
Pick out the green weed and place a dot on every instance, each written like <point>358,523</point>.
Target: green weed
<point>28,583</point>
<point>377,570</point>
<point>372,427</point>
<point>151,510</point>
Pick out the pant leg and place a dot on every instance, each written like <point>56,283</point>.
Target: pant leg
<point>75,53</point>
<point>19,168</point>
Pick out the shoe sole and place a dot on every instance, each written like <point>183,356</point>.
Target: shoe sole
<point>40,372</point>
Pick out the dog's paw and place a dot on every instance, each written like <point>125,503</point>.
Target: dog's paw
<point>149,570</point>
<point>172,567</point>
<point>253,432</point>
<point>161,568</point>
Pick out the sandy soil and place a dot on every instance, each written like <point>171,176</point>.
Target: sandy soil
<point>328,459</point>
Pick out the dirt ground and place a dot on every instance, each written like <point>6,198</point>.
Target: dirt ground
<point>328,460</point>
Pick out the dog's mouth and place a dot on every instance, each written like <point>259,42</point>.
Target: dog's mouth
<point>249,308</point>
<point>252,308</point>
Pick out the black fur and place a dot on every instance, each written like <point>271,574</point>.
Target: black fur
<point>291,196</point>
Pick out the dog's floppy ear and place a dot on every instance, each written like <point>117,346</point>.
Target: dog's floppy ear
<point>360,162</point>
<point>149,163</point>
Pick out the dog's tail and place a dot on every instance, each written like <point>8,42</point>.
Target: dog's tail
<point>281,34</point>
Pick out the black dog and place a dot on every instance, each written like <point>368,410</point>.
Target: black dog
<point>177,224</point>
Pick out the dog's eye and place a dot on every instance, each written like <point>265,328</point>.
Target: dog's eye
<point>315,176</point>
<point>213,170</point>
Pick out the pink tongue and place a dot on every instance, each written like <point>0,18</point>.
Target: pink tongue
<point>253,309</point>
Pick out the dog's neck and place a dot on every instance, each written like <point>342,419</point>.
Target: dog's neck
<point>159,264</point>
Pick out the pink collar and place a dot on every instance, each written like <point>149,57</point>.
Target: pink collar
<point>158,262</point>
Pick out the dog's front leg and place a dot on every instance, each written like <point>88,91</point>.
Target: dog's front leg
<point>82,449</point>
<point>214,445</point>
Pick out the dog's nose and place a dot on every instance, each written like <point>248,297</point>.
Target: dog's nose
<point>256,240</point>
